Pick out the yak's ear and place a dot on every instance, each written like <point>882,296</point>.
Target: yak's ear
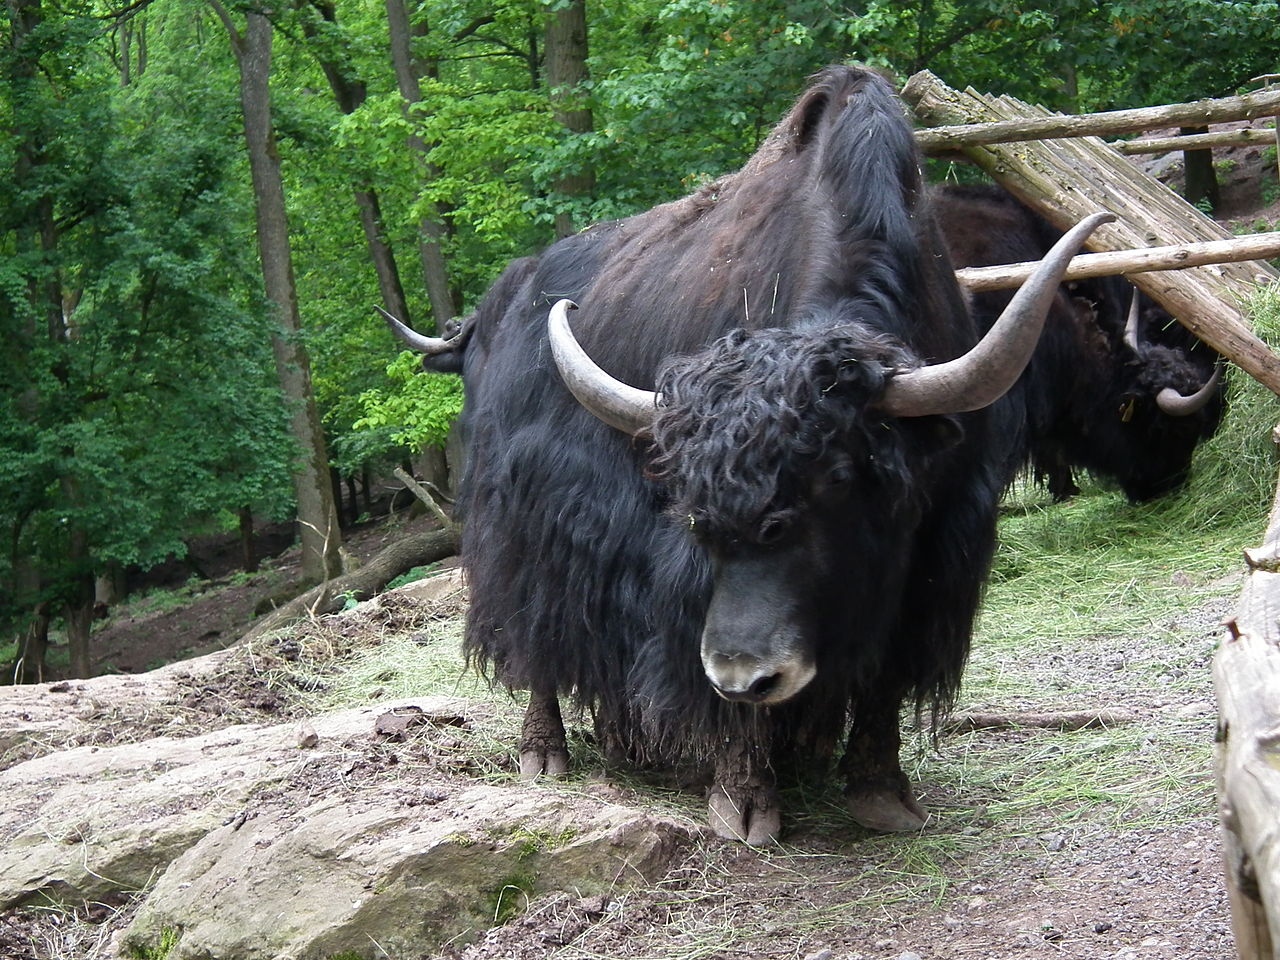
<point>808,116</point>
<point>448,362</point>
<point>935,433</point>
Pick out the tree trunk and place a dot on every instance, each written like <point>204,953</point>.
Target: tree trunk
<point>1197,166</point>
<point>35,643</point>
<point>433,467</point>
<point>350,92</point>
<point>352,499</point>
<point>317,516</point>
<point>432,229</point>
<point>248,550</point>
<point>78,608</point>
<point>109,587</point>
<point>566,53</point>
<point>126,53</point>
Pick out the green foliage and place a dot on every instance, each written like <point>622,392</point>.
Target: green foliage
<point>160,950</point>
<point>140,401</point>
<point>413,575</point>
<point>420,413</point>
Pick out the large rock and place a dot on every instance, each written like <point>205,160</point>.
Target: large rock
<point>315,839</point>
<point>371,876</point>
<point>70,712</point>
<point>90,821</point>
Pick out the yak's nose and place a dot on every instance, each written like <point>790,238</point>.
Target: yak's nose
<point>743,678</point>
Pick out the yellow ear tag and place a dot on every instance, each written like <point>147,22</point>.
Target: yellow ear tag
<point>1126,412</point>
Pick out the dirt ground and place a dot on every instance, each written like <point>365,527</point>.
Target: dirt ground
<point>219,611</point>
<point>1128,871</point>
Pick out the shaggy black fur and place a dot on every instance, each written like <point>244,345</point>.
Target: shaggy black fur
<point>1086,400</point>
<point>771,308</point>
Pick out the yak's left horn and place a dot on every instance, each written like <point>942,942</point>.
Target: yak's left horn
<point>1176,404</point>
<point>1131,323</point>
<point>984,374</point>
<point>620,405</point>
<point>431,346</point>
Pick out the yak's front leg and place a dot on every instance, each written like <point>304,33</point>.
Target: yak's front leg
<point>878,794</point>
<point>542,743</point>
<point>743,802</point>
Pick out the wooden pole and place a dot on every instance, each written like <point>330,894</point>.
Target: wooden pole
<point>1250,106</point>
<point>1252,247</point>
<point>1065,180</point>
<point>1220,138</point>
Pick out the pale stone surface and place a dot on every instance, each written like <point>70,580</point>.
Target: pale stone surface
<point>342,875</point>
<point>58,713</point>
<point>83,822</point>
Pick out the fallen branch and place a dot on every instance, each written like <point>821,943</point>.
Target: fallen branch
<point>1258,246</point>
<point>1067,720</point>
<point>362,583</point>
<point>423,494</point>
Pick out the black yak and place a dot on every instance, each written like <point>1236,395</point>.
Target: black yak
<point>785,540</point>
<point>1115,386</point>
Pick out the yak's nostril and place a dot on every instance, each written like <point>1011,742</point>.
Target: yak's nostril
<point>763,686</point>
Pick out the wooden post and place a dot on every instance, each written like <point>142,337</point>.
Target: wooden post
<point>1065,180</point>
<point>1246,674</point>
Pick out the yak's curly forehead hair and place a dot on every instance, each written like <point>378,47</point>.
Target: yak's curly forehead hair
<point>744,423</point>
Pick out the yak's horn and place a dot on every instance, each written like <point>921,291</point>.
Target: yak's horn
<point>621,406</point>
<point>987,371</point>
<point>431,346</point>
<point>1176,404</point>
<point>1131,323</point>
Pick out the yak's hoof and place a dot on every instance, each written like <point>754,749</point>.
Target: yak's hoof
<point>885,809</point>
<point>754,817</point>
<point>543,763</point>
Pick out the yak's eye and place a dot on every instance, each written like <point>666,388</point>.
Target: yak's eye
<point>836,479</point>
<point>840,475</point>
<point>772,529</point>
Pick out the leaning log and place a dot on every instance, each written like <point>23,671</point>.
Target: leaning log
<point>1067,179</point>
<point>1250,106</point>
<point>1008,275</point>
<point>362,583</point>
<point>1246,673</point>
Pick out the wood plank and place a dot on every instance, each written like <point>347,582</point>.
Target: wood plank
<point>1246,675</point>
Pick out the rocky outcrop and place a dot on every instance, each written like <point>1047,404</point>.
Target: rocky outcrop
<point>379,872</point>
<point>392,827</point>
<point>312,839</point>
